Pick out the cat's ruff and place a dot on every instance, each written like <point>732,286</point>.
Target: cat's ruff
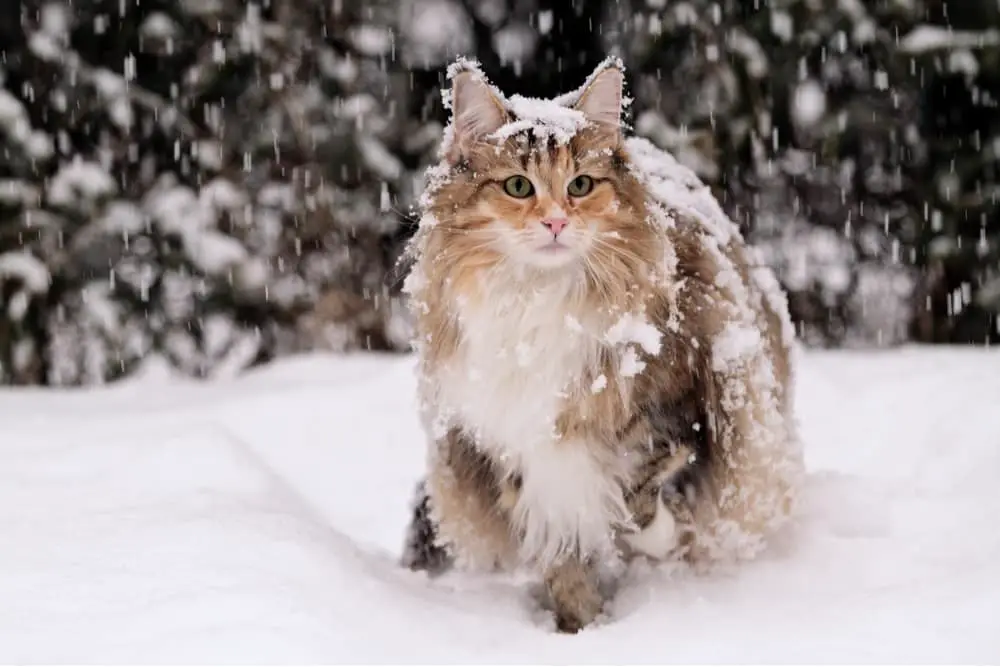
<point>522,348</point>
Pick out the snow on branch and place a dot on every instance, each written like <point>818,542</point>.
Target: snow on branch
<point>936,38</point>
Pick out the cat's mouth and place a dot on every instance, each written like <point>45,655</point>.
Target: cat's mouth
<point>554,247</point>
<point>553,254</point>
<point>547,252</point>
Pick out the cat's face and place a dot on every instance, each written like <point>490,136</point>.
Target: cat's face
<point>532,201</point>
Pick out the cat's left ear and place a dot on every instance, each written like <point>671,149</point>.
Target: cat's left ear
<point>601,100</point>
<point>477,111</point>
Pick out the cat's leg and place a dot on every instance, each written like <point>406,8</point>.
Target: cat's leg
<point>421,550</point>
<point>573,587</point>
<point>679,500</point>
<point>659,504</point>
<point>464,502</point>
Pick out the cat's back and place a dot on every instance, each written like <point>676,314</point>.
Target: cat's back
<point>726,292</point>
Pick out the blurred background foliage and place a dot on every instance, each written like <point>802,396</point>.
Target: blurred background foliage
<point>218,183</point>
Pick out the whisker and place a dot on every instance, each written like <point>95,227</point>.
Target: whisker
<point>618,249</point>
<point>466,230</point>
<point>598,278</point>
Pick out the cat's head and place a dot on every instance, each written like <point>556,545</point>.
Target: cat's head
<point>543,184</point>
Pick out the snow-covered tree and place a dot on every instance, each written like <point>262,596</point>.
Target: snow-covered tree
<point>536,48</point>
<point>852,140</point>
<point>220,183</point>
<point>216,183</point>
<point>807,124</point>
<point>956,49</point>
<point>25,280</point>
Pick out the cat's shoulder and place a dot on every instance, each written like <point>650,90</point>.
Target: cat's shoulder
<point>703,241</point>
<point>675,191</point>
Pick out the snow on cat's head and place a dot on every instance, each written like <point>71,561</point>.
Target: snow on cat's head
<point>542,184</point>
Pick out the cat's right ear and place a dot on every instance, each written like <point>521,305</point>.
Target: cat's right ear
<point>601,100</point>
<point>476,112</point>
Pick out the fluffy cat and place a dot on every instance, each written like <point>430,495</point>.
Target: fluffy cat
<point>602,371</point>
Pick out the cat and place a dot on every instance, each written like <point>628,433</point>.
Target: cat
<point>603,373</point>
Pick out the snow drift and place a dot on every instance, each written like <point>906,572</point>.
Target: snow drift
<point>261,520</point>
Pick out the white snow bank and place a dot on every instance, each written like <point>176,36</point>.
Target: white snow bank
<point>260,519</point>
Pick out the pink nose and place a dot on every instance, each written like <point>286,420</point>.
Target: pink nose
<point>555,225</point>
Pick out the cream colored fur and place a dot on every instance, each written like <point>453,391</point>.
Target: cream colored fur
<point>545,383</point>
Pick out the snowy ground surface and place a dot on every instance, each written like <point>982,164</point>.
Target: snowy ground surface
<point>260,520</point>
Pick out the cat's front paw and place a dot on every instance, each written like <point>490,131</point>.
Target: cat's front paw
<point>570,619</point>
<point>569,624</point>
<point>575,595</point>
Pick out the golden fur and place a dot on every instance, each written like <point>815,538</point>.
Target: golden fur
<point>632,416</point>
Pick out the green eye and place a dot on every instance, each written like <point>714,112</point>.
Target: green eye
<point>519,187</point>
<point>580,186</point>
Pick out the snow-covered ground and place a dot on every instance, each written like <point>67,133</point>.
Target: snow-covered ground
<point>260,520</point>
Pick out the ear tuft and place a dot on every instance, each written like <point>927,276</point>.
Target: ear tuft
<point>476,111</point>
<point>601,100</point>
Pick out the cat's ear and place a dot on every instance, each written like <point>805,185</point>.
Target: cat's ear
<point>601,100</point>
<point>476,112</point>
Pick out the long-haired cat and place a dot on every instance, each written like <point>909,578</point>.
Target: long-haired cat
<point>602,371</point>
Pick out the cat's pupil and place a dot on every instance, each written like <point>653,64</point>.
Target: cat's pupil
<point>580,186</point>
<point>518,186</point>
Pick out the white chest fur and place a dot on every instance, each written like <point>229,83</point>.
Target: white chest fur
<point>520,353</point>
<point>659,537</point>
